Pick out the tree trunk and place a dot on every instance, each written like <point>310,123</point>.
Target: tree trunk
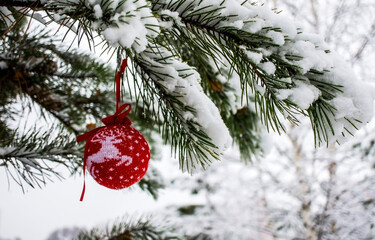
<point>304,189</point>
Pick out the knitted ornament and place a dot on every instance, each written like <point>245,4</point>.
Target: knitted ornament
<point>116,155</point>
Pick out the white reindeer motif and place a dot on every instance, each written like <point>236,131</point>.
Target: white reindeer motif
<point>108,150</point>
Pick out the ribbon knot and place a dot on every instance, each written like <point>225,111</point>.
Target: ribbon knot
<point>119,117</point>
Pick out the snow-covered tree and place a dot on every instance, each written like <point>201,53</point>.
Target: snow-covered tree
<point>296,192</point>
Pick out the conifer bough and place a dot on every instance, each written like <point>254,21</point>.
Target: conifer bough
<point>198,65</point>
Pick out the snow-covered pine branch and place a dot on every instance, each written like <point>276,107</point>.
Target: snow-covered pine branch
<point>196,128</point>
<point>285,71</point>
<point>288,70</point>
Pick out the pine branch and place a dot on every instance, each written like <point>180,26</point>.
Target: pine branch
<point>226,42</point>
<point>144,228</point>
<point>32,158</point>
<point>34,74</point>
<point>243,124</point>
<point>273,60</point>
<point>186,135</point>
<point>203,26</point>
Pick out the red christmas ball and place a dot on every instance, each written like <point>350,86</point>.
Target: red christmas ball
<point>117,156</point>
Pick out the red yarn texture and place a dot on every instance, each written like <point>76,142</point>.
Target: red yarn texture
<point>117,156</point>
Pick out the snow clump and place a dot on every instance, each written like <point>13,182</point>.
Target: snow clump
<point>130,25</point>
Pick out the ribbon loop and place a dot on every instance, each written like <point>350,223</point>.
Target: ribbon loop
<point>118,83</point>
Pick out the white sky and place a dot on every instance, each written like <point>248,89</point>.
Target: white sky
<point>38,212</point>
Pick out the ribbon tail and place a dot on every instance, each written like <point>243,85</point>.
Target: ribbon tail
<point>84,136</point>
<point>84,174</point>
<point>83,190</point>
<point>84,180</point>
<point>87,135</point>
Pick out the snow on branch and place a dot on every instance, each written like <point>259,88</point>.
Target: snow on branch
<point>285,71</point>
<point>289,69</point>
<point>197,124</point>
<point>125,24</point>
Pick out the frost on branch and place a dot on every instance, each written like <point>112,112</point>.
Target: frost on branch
<point>130,25</point>
<point>198,120</point>
<point>126,24</point>
<point>289,71</point>
<point>321,72</point>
